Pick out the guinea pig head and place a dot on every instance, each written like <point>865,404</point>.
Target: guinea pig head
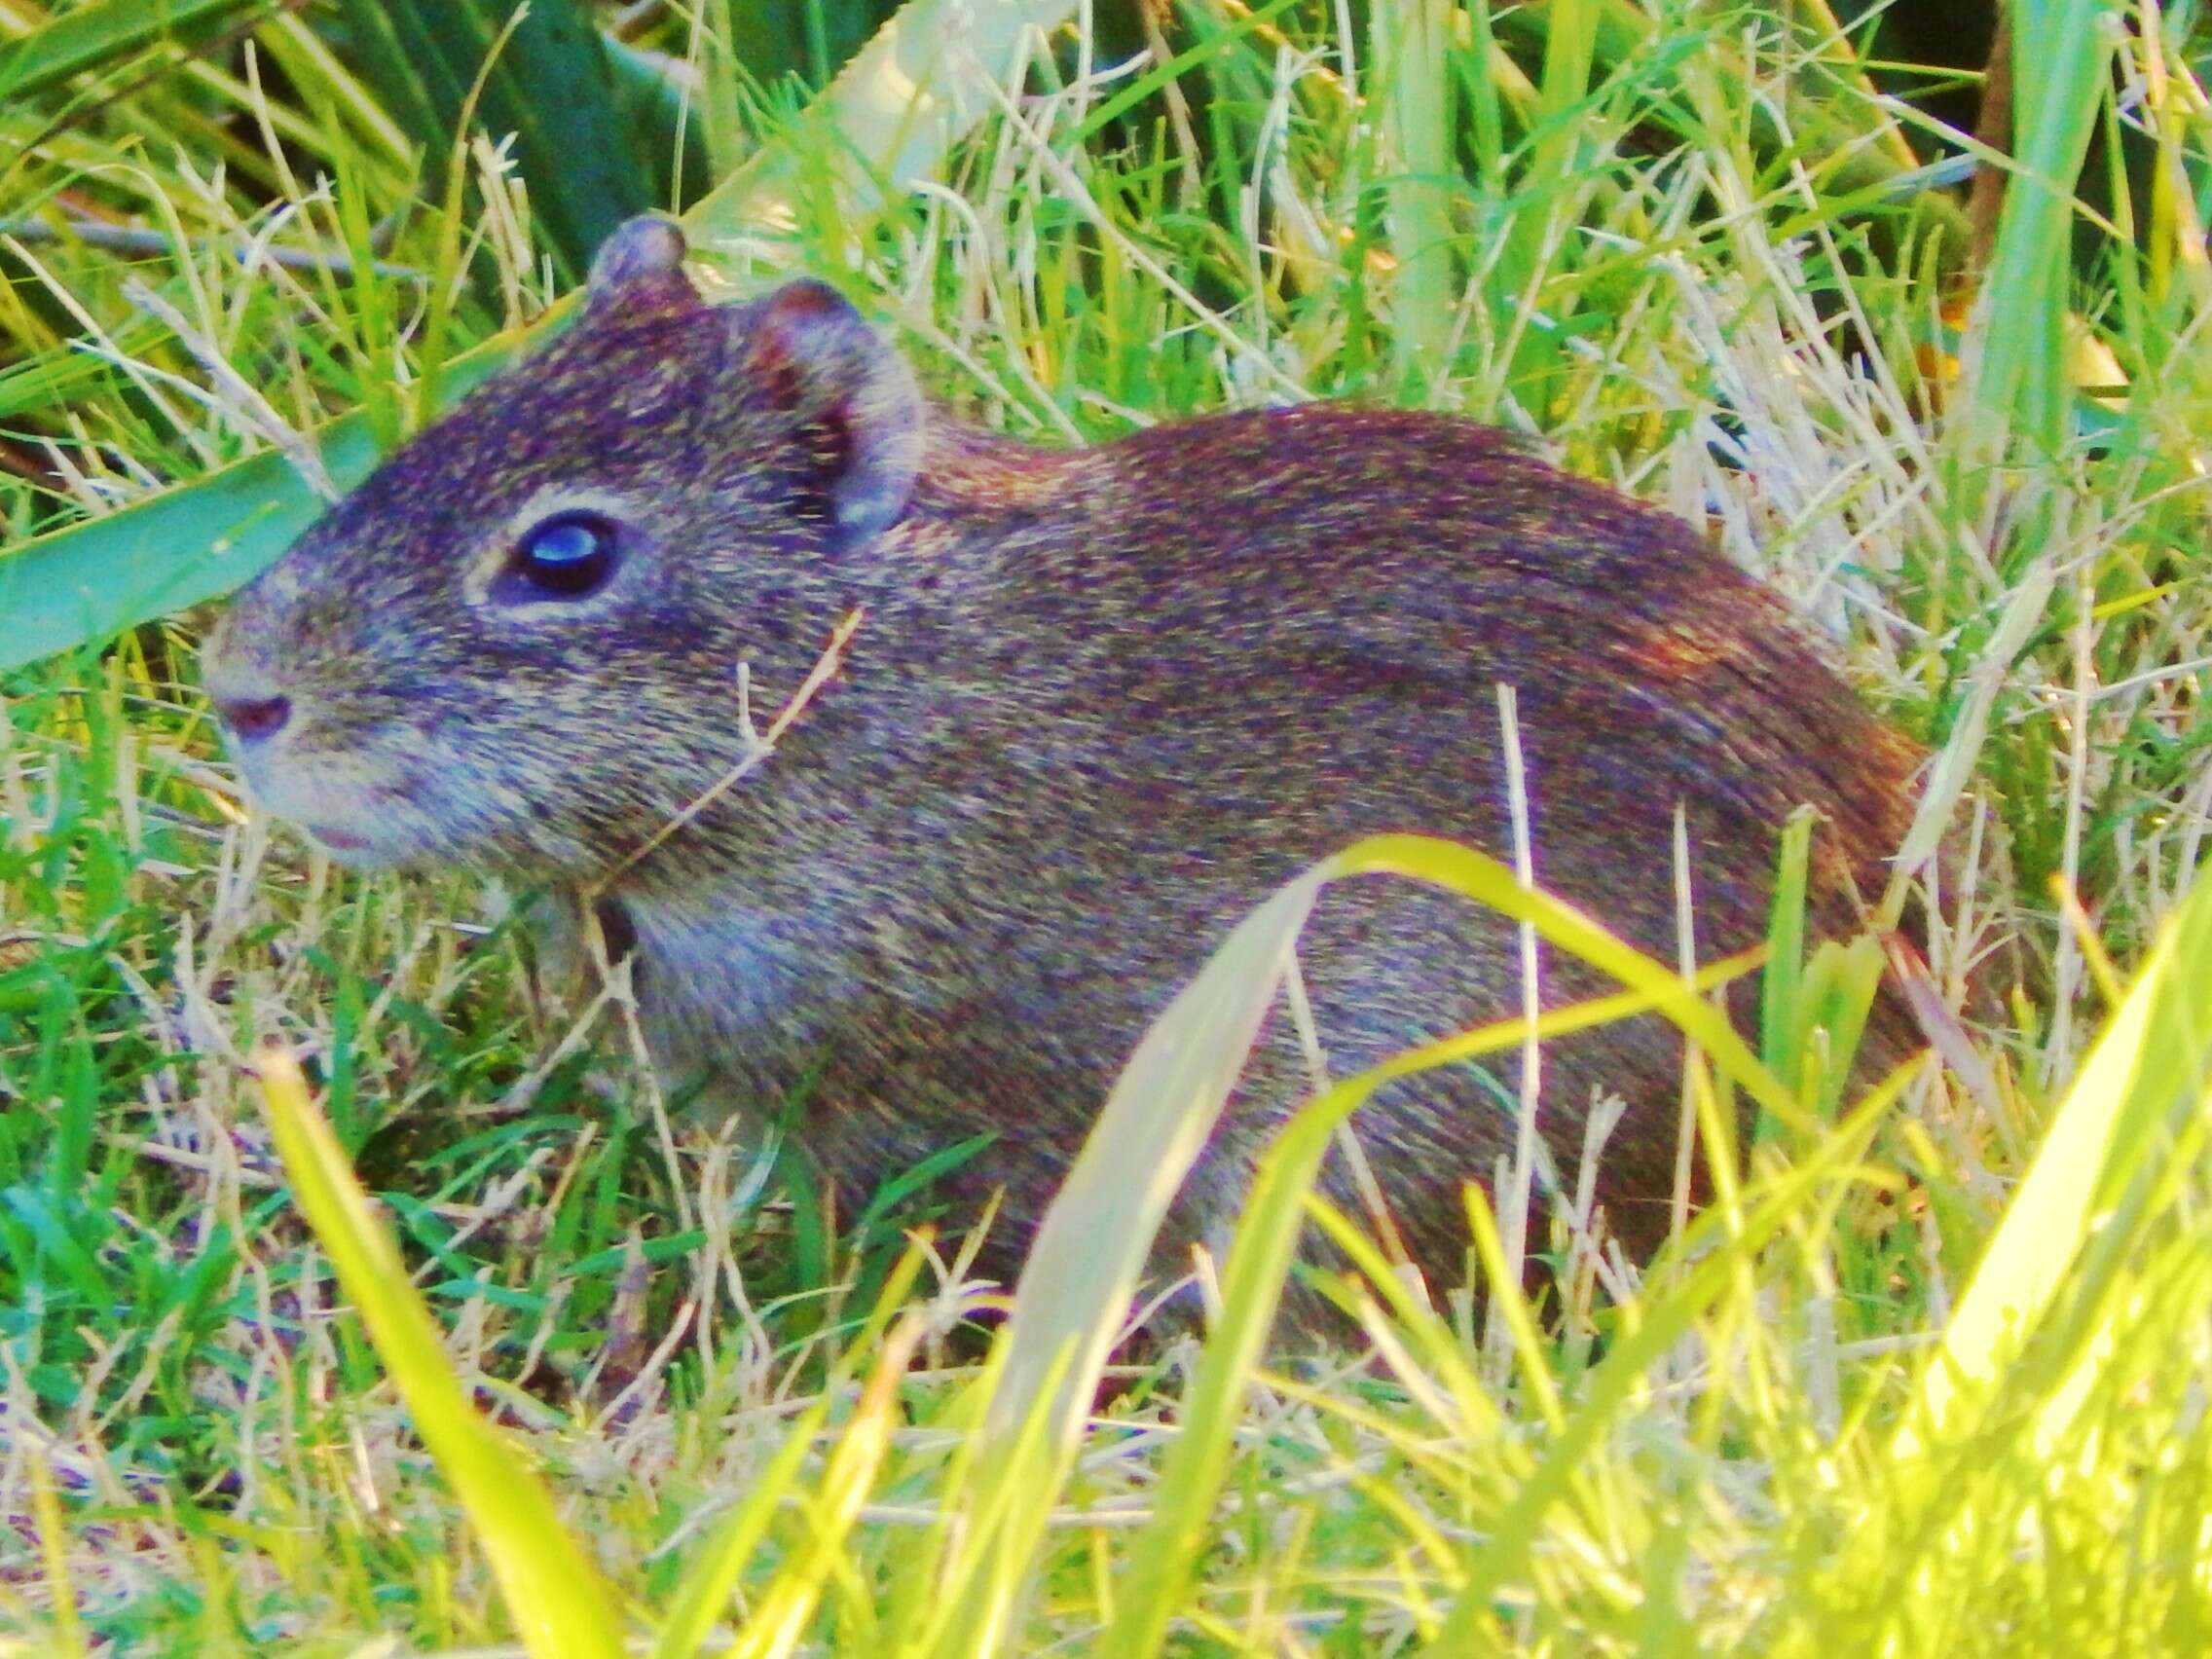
<point>517,645</point>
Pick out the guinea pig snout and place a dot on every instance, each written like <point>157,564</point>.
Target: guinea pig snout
<point>248,699</point>
<point>252,719</point>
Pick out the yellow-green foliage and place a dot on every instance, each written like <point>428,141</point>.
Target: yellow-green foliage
<point>472,1343</point>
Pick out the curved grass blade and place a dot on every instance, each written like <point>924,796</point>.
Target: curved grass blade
<point>1095,1241</point>
<point>1165,1557</point>
<point>557,1599</point>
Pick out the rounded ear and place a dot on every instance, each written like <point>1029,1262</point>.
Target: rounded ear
<point>849,391</point>
<point>645,256</point>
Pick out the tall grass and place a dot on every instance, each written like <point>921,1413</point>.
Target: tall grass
<point>1928,1377</point>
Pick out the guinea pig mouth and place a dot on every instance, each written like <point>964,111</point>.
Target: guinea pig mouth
<point>360,813</point>
<point>366,843</point>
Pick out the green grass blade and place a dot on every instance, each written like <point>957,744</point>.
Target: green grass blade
<point>1781,1034</point>
<point>704,1595</point>
<point>1615,1381</point>
<point>2062,64</point>
<point>1863,162</point>
<point>558,1602</point>
<point>1412,87</point>
<point>1485,881</point>
<point>1092,1246</point>
<point>1267,1241</point>
<point>1090,1250</point>
<point>673,138</point>
<point>780,1623</point>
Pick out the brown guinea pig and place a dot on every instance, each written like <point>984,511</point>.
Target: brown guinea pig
<point>1099,702</point>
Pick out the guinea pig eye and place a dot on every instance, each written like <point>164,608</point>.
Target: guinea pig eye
<point>566,556</point>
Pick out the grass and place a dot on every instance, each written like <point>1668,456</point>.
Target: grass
<point>1929,1378</point>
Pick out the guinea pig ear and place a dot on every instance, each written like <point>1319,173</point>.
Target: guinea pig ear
<point>852,395</point>
<point>641,263</point>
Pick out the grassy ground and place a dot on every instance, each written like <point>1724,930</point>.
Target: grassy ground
<point>1916,1390</point>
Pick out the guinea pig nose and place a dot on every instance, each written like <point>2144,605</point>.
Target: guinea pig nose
<point>254,718</point>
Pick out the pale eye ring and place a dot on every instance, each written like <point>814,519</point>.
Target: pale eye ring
<point>570,555</point>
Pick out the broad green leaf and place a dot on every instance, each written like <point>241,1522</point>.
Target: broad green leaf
<point>88,582</point>
<point>91,37</point>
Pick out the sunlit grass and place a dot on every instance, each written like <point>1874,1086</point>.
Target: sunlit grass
<point>1875,1402</point>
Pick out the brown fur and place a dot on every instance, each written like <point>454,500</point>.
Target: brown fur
<point>1103,701</point>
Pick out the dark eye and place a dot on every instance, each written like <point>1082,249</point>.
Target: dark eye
<point>564,557</point>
